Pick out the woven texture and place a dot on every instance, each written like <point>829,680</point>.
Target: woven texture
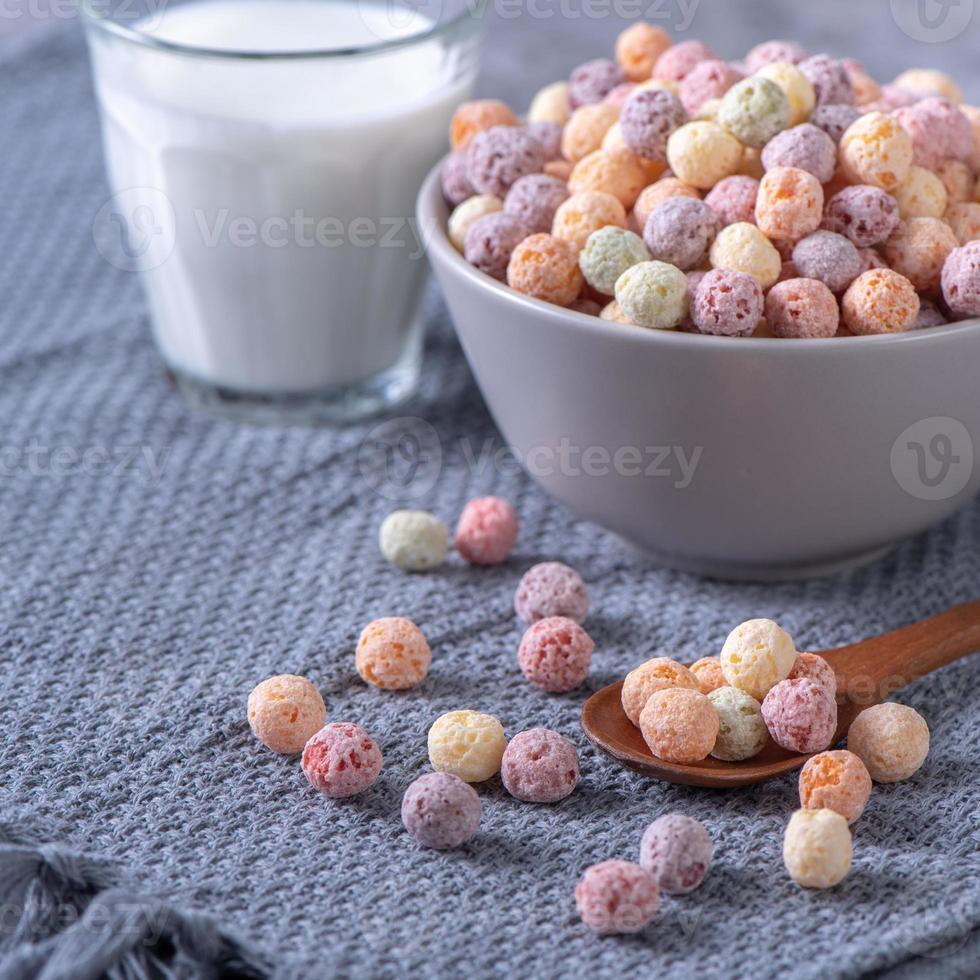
<point>143,598</point>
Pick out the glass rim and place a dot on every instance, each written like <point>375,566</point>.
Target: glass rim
<point>471,10</point>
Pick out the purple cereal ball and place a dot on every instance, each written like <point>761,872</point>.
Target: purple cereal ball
<point>939,131</point>
<point>770,52</point>
<point>676,850</point>
<point>680,59</point>
<point>800,715</point>
<point>534,199</point>
<point>490,240</point>
<point>617,897</point>
<point>679,231</point>
<point>341,760</point>
<point>648,118</point>
<point>441,811</point>
<point>802,308</point>
<point>733,200</point>
<point>830,80</point>
<point>961,281</point>
<point>456,186</point>
<point>539,766</point>
<point>834,119</point>
<point>551,589</point>
<point>706,80</point>
<point>593,81</point>
<point>829,257</point>
<point>805,147</point>
<point>866,215</point>
<point>929,316</point>
<point>548,134</point>
<point>499,156</point>
<point>728,304</point>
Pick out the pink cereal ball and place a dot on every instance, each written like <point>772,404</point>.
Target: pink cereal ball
<point>790,203</point>
<point>733,199</point>
<point>618,96</point>
<point>802,308</point>
<point>961,281</point>
<point>499,156</point>
<point>341,760</point>
<point>880,301</point>
<point>441,811</point>
<point>456,186</point>
<point>709,79</point>
<point>800,716</point>
<point>939,131</point>
<point>393,654</point>
<point>816,669</point>
<point>834,120</point>
<point>534,199</point>
<point>490,240</point>
<point>593,81</point>
<point>617,897</point>
<point>709,674</point>
<point>728,304</point>
<point>770,52</point>
<point>828,257</point>
<point>806,147</point>
<point>555,654</point>
<point>680,231</point>
<point>680,59</point>
<point>829,79</point>
<point>865,214</point>
<point>648,119</point>
<point>918,249</point>
<point>676,850</point>
<point>284,711</point>
<point>486,531</point>
<point>551,589</point>
<point>679,725</point>
<point>539,766</point>
<point>837,781</point>
<point>548,134</point>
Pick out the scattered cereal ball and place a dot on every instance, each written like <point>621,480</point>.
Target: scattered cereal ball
<point>663,190</point>
<point>617,897</point>
<point>638,48</point>
<point>891,739</point>
<point>921,195</point>
<point>486,531</point>
<point>929,316</point>
<point>880,301</point>
<point>728,303</point>
<point>284,711</point>
<point>679,232</point>
<point>467,744</point>
<point>608,253</point>
<point>490,240</point>
<point>654,675</point>
<point>550,104</point>
<point>796,87</point>
<point>742,732</point>
<point>837,781</point>
<point>584,132</point>
<point>653,294</point>
<point>918,249</point>
<point>828,257</point>
<point>617,172</point>
<point>817,848</point>
<point>754,111</point>
<point>676,850</point>
<point>475,117</point>
<point>539,766</point>
<point>341,760</point>
<point>546,268</point>
<point>533,200</point>
<point>499,156</point>
<point>743,248</point>
<point>708,672</point>
<point>414,540</point>
<point>802,308</point>
<point>441,811</point>
<point>800,715</point>
<point>679,725</point>
<point>613,314</point>
<point>865,214</point>
<point>768,52</point>
<point>467,213</point>
<point>939,131</point>
<point>834,120</point>
<point>648,118</point>
<point>585,213</point>
<point>678,60</point>
<point>876,150</point>
<point>733,200</point>
<point>757,655</point>
<point>392,653</point>
<point>929,81</point>
<point>805,147</point>
<point>555,654</point>
<point>964,219</point>
<point>816,669</point>
<point>790,203</point>
<point>829,78</point>
<point>456,186</point>
<point>961,281</point>
<point>705,81</point>
<point>593,81</point>
<point>702,153</point>
<point>551,589</point>
<point>957,178</point>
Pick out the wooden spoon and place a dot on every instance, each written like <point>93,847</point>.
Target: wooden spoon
<point>867,673</point>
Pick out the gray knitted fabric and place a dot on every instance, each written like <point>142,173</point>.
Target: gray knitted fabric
<point>156,564</point>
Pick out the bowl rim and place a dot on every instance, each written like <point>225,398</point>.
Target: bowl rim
<point>432,223</point>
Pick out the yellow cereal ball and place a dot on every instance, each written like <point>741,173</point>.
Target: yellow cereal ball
<point>751,163</point>
<point>466,213</point>
<point>655,194</point>
<point>616,172</point>
<point>709,674</point>
<point>654,675</point>
<point>612,313</point>
<point>654,295</point>
<point>639,47</point>
<point>585,213</point>
<point>918,249</point>
<point>475,116</point>
<point>921,195</point>
<point>964,219</point>
<point>550,104</point>
<point>613,140</point>
<point>392,653</point>
<point>790,204</point>
<point>702,153</point>
<point>930,81</point>
<point>796,87</point>
<point>876,150</point>
<point>743,248</point>
<point>817,848</point>
<point>285,711</point>
<point>880,301</point>
<point>757,655</point>
<point>973,114</point>
<point>891,739</point>
<point>468,744</point>
<point>584,131</point>
<point>958,180</point>
<point>546,268</point>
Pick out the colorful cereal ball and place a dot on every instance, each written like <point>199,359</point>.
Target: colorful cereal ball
<point>648,118</point>
<point>754,111</point>
<point>757,655</point>
<point>828,257</point>
<point>655,194</point>
<point>796,87</point>
<point>870,259</point>
<point>341,760</point>
<point>834,120</point>
<point>441,811</point>
<point>817,848</point>
<point>638,48</point>
<point>939,131</point>
<point>790,204</point>
<point>475,117</point>
<point>617,172</point>
<point>653,294</point>
<point>611,313</point>
<point>705,81</point>
<point>486,531</point>
<point>534,199</point>
<point>414,540</point>
<point>539,766</point>
<point>608,253</point>
<point>467,744</point>
<point>742,732</point>
<point>772,51</point>
<point>549,135</point>
<point>679,725</point>
<point>972,113</point>
<point>727,304</point>
<point>743,248</point>
<point>456,186</point>
<point>654,675</point>
<point>555,654</point>
<point>708,672</point>
<point>562,169</point>
<point>733,200</point>
<point>802,308</point>
<point>702,153</point>
<point>617,898</point>
<point>551,589</point>
<point>928,81</point>
<point>613,142</point>
<point>921,195</point>
<point>891,739</point>
<point>284,711</point>
<point>865,214</point>
<point>677,61</point>
<point>546,268</point>
<point>876,150</point>
<point>805,147</point>
<point>816,669</point>
<point>392,653</point>
<point>958,179</point>
<point>471,210</point>
<point>961,281</point>
<point>585,213</point>
<point>679,232</point>
<point>550,104</point>
<point>830,80</point>
<point>918,249</point>
<point>837,781</point>
<point>593,81</point>
<point>800,715</point>
<point>676,849</point>
<point>866,89</point>
<point>929,316</point>
<point>880,301</point>
<point>499,156</point>
<point>584,132</point>
<point>490,240</point>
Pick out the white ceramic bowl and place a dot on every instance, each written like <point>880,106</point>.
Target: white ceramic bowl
<point>749,458</point>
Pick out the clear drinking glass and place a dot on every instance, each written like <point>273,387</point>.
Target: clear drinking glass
<point>264,157</point>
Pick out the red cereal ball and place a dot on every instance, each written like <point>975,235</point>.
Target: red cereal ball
<point>551,589</point>
<point>800,715</point>
<point>865,214</point>
<point>728,303</point>
<point>801,308</point>
<point>828,257</point>
<point>546,268</point>
<point>491,240</point>
<point>341,760</point>
<point>497,157</point>
<point>961,281</point>
<point>709,674</point>
<point>534,199</point>
<point>837,781</point>
<point>829,79</point>
<point>539,766</point>
<point>834,120</point>
<point>939,131</point>
<point>617,897</point>
<point>474,117</point>
<point>918,249</point>
<point>816,669</point>
<point>770,52</point>
<point>593,81</point>
<point>648,118</point>
<point>790,203</point>
<point>733,199</point>
<point>456,186</point>
<point>707,80</point>
<point>677,61</point>
<point>806,147</point>
<point>676,849</point>
<point>680,231</point>
<point>880,301</point>
<point>555,654</point>
<point>679,725</point>
<point>486,531</point>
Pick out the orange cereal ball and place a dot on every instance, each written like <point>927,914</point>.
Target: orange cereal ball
<point>958,179</point>
<point>613,313</point>
<point>880,301</point>
<point>743,248</point>
<point>837,781</point>
<point>930,81</point>
<point>921,195</point>
<point>475,116</point>
<point>551,104</point>
<point>709,674</point>
<point>654,675</point>
<point>285,711</point>
<point>546,268</point>
<point>679,725</point>
<point>585,213</point>
<point>797,88</point>
<point>790,204</point>
<point>652,196</point>
<point>702,153</point>
<point>866,89</point>
<point>639,47</point>
<point>891,739</point>
<point>562,169</point>
<point>392,653</point>
<point>918,249</point>
<point>964,219</point>
<point>876,150</point>
<point>616,172</point>
<point>613,140</point>
<point>584,131</point>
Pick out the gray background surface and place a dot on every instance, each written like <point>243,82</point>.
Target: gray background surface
<point>137,612</point>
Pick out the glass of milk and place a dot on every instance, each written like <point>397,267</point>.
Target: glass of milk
<point>264,157</point>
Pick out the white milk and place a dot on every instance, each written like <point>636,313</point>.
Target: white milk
<point>296,259</point>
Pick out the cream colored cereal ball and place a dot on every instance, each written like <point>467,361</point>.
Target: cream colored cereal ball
<point>743,248</point>
<point>930,81</point>
<point>891,739</point>
<point>466,213</point>
<point>817,848</point>
<point>551,105</point>
<point>653,294</point>
<point>757,655</point>
<point>285,711</point>
<point>468,744</point>
<point>654,675</point>
<point>414,540</point>
<point>639,47</point>
<point>742,731</point>
<point>876,150</point>
<point>702,153</point>
<point>921,195</point>
<point>582,214</point>
<point>796,87</point>
<point>584,131</point>
<point>392,653</point>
